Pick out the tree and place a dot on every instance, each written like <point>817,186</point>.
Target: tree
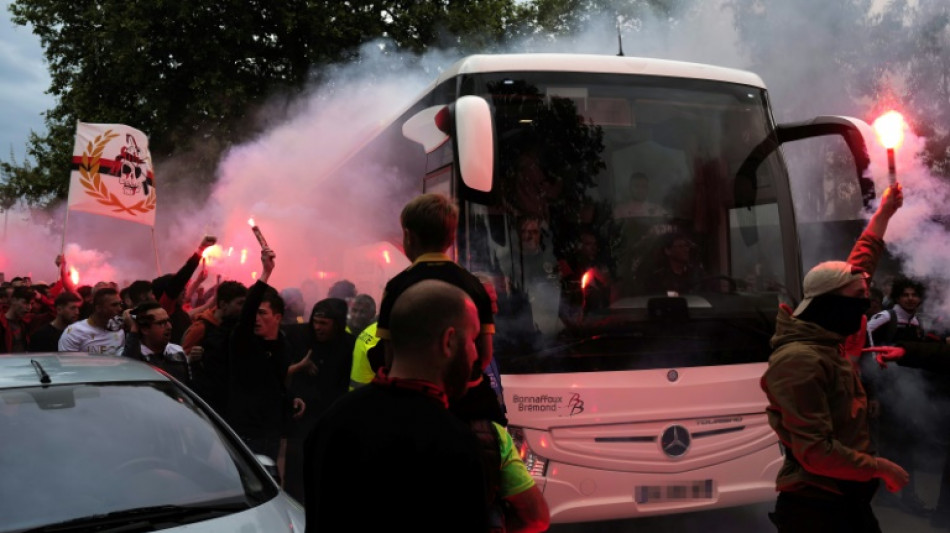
<point>925,59</point>
<point>562,17</point>
<point>860,60</point>
<point>188,74</point>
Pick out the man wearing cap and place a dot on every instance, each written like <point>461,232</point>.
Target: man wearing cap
<point>817,404</point>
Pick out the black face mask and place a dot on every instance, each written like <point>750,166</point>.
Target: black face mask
<point>836,313</point>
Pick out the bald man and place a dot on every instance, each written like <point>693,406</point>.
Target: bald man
<point>421,468</point>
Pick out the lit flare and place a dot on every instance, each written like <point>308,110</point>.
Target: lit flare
<point>257,233</point>
<point>889,128</point>
<point>211,253</point>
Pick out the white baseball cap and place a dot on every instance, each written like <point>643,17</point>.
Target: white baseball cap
<point>828,277</point>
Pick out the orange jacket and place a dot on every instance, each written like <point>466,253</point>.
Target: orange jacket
<point>195,333</point>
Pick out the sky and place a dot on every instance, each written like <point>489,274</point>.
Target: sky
<point>23,82</point>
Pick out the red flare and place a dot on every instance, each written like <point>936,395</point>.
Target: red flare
<point>890,129</point>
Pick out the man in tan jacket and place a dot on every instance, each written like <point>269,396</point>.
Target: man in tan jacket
<point>817,404</point>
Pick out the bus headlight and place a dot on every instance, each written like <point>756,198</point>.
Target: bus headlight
<point>537,465</point>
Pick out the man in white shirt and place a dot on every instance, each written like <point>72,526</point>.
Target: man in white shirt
<point>101,333</point>
<point>900,323</point>
<point>900,435</point>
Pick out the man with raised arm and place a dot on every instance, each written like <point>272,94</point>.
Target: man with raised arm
<point>259,404</point>
<point>817,404</point>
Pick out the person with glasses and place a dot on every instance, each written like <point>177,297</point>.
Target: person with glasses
<point>149,340</point>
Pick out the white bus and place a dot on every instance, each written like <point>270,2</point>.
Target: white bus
<point>636,218</point>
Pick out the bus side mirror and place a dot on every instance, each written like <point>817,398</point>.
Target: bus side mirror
<point>475,142</point>
<point>468,122</point>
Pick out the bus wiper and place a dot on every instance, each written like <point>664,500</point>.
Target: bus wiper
<point>140,518</point>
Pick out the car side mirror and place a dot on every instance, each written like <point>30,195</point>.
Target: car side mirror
<point>269,465</point>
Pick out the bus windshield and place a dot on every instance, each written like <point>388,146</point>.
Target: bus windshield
<point>614,235</point>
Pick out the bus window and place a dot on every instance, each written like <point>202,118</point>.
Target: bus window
<point>597,213</point>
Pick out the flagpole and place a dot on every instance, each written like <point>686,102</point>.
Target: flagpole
<point>62,248</point>
<point>158,266</point>
<point>69,193</point>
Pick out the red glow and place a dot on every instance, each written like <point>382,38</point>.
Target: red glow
<point>74,275</point>
<point>443,120</point>
<point>386,257</point>
<point>890,129</point>
<point>322,275</point>
<point>585,280</point>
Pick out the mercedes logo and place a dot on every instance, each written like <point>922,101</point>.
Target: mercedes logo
<point>675,441</point>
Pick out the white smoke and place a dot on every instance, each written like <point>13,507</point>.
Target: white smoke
<point>278,178</point>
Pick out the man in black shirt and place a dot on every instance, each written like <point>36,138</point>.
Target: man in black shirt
<point>14,335</point>
<point>46,339</point>
<point>259,404</point>
<point>428,224</point>
<point>393,443</point>
<point>319,375</point>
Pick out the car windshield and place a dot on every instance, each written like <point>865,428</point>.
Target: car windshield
<point>72,451</point>
<point>622,222</point>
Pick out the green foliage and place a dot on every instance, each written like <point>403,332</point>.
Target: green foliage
<point>926,71</point>
<point>569,16</point>
<point>189,73</point>
<point>895,57</point>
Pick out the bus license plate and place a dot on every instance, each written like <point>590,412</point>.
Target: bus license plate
<point>694,490</point>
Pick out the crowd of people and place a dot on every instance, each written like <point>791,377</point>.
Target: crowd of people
<point>413,384</point>
<point>398,390</point>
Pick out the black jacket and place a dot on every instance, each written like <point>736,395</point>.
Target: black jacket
<point>930,356</point>
<point>259,405</point>
<point>403,451</point>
